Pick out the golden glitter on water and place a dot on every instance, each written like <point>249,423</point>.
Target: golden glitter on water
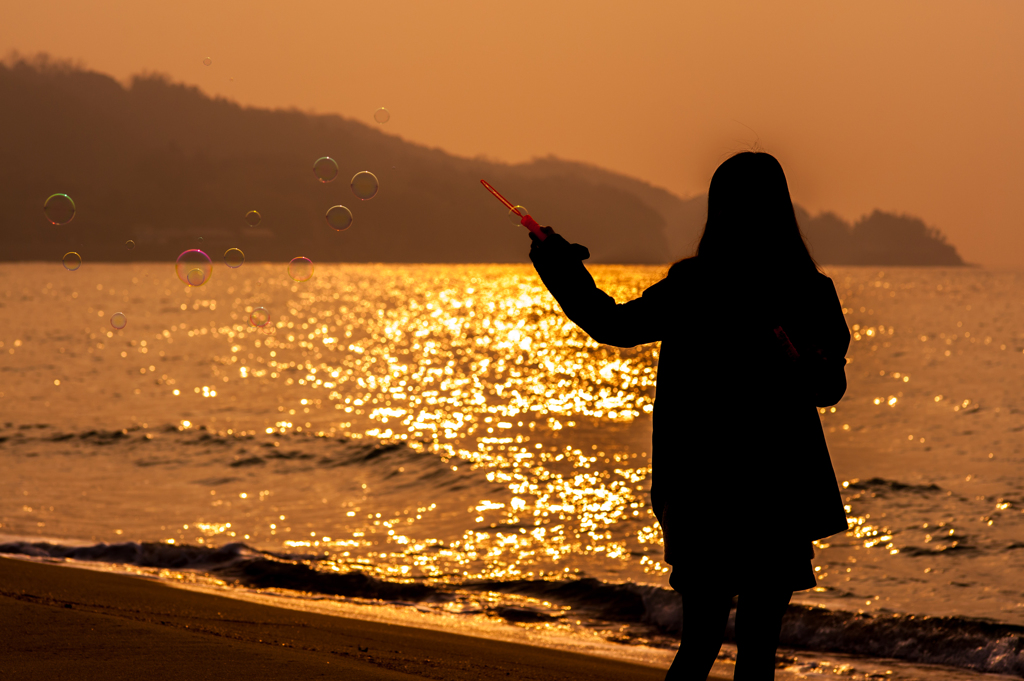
<point>477,368</point>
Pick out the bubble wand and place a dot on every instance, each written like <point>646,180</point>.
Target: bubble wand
<point>525,220</point>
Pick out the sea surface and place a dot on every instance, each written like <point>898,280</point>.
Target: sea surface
<point>440,441</point>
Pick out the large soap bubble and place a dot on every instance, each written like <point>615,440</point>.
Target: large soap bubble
<point>382,115</point>
<point>193,267</point>
<point>365,185</point>
<point>71,261</point>
<point>118,320</point>
<point>59,209</point>
<point>339,218</point>
<point>233,258</point>
<point>253,217</point>
<point>300,269</point>
<point>325,168</point>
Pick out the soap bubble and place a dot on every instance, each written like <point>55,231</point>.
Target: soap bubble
<point>200,239</point>
<point>259,317</point>
<point>339,218</point>
<point>516,220</point>
<point>233,258</point>
<point>130,245</point>
<point>207,61</point>
<point>382,115</point>
<point>253,217</point>
<point>193,267</point>
<point>59,209</point>
<point>326,169</point>
<point>118,320</point>
<point>300,269</point>
<point>365,185</point>
<point>72,261</point>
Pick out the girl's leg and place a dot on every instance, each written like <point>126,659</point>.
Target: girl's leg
<point>704,618</point>
<point>758,623</point>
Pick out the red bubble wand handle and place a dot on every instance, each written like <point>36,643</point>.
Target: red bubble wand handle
<point>525,220</point>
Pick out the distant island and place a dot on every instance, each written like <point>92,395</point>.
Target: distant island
<point>162,164</point>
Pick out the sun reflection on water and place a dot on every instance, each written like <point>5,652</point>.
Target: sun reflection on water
<point>475,366</point>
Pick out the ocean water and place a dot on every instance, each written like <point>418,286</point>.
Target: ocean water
<point>440,439</point>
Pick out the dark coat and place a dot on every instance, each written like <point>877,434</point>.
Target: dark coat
<point>738,444</point>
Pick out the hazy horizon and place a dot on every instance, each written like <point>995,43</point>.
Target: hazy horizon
<point>906,109</point>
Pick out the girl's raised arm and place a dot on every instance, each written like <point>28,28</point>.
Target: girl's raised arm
<point>560,266</point>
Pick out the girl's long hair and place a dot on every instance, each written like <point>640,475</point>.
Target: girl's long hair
<point>751,222</point>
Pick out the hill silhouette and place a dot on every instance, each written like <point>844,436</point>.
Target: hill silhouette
<point>162,164</point>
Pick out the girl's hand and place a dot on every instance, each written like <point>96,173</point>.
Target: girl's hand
<point>555,246</point>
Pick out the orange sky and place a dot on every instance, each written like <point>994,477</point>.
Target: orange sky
<point>913,107</point>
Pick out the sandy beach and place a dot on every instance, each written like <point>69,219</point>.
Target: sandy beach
<point>61,623</point>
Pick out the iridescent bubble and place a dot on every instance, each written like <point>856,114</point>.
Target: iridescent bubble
<point>193,267</point>
<point>196,277</point>
<point>118,320</point>
<point>207,61</point>
<point>365,185</point>
<point>300,269</point>
<point>253,217</point>
<point>339,218</point>
<point>129,244</point>
<point>325,168</point>
<point>233,258</point>
<point>382,115</point>
<point>72,261</point>
<point>515,219</point>
<point>259,317</point>
<point>59,209</point>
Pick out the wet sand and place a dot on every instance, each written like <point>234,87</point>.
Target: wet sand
<point>63,623</point>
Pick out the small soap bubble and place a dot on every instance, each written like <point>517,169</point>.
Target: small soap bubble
<point>195,277</point>
<point>300,269</point>
<point>200,239</point>
<point>382,115</point>
<point>193,267</point>
<point>72,261</point>
<point>118,320</point>
<point>339,218</point>
<point>207,61</point>
<point>59,209</point>
<point>253,217</point>
<point>326,169</point>
<point>515,219</point>
<point>259,317</point>
<point>130,245</point>
<point>233,258</point>
<point>365,185</point>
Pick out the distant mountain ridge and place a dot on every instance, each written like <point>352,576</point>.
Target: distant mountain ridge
<point>162,164</point>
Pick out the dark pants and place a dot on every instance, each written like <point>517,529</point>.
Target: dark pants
<point>705,615</point>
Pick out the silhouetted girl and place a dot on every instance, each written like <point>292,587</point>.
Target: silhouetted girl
<point>753,339</point>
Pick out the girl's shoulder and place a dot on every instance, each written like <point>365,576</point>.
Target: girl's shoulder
<point>684,268</point>
<point>823,285</point>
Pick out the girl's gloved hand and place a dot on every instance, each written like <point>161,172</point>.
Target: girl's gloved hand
<point>555,247</point>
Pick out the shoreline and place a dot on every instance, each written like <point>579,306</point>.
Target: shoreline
<point>65,623</point>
